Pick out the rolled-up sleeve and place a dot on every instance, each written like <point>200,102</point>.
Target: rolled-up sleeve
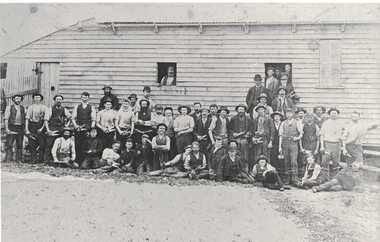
<point>7,113</point>
<point>281,130</point>
<point>74,115</point>
<point>93,113</point>
<point>48,113</point>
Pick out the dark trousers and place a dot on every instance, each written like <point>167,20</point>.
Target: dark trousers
<point>290,152</point>
<point>90,162</point>
<point>79,138</point>
<point>11,138</point>
<point>159,158</point>
<point>36,142</point>
<point>184,140</point>
<point>261,149</point>
<point>271,180</point>
<point>107,138</point>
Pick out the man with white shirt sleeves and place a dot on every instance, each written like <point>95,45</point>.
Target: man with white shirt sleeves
<point>83,118</point>
<point>124,122</point>
<point>332,139</point>
<point>105,121</point>
<point>63,151</point>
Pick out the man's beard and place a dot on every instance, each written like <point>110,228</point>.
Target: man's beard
<point>197,110</point>
<point>59,104</point>
<point>241,114</point>
<point>66,136</point>
<point>195,151</point>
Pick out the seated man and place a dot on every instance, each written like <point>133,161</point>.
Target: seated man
<point>195,163</point>
<point>128,157</point>
<point>145,155</point>
<point>161,147</point>
<point>63,150</point>
<point>110,158</point>
<point>312,173</point>
<point>169,79</point>
<point>346,179</point>
<point>267,174</point>
<point>214,157</point>
<point>174,167</point>
<point>230,169</point>
<point>92,150</point>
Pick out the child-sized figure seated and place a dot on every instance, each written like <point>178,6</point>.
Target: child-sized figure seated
<point>312,175</point>
<point>110,158</point>
<point>63,150</point>
<point>92,150</point>
<point>145,155</point>
<point>230,168</point>
<point>195,163</point>
<point>346,179</point>
<point>267,174</point>
<point>128,158</point>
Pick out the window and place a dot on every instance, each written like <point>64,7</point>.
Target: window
<point>330,51</point>
<point>4,70</point>
<point>167,74</point>
<point>278,68</point>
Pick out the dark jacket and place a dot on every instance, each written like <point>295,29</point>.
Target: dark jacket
<point>201,129</point>
<point>268,127</point>
<point>127,158</point>
<point>114,100</point>
<point>228,169</point>
<point>93,144</point>
<point>253,94</point>
<point>235,126</point>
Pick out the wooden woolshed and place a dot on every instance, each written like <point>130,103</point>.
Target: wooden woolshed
<point>334,63</point>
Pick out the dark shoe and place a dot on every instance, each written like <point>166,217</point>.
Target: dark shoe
<point>314,189</point>
<point>281,189</point>
<point>287,187</point>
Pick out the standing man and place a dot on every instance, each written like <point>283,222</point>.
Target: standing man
<point>301,116</point>
<point>169,79</point>
<point>282,102</point>
<point>290,133</point>
<point>157,116</point>
<point>213,110</point>
<point>105,122</point>
<point>183,126</point>
<point>319,111</point>
<point>271,83</point>
<point>309,142</point>
<point>34,122</point>
<point>83,118</point>
<point>356,131</point>
<point>220,126</point>
<point>288,70</point>
<point>14,127</point>
<point>263,133</point>
<point>274,159</point>
<point>142,121</point>
<point>197,111</point>
<point>277,73</point>
<point>133,102</point>
<point>146,96</point>
<point>55,120</point>
<point>124,122</point>
<point>108,96</point>
<point>254,92</point>
<point>263,100</point>
<point>240,130</point>
<point>200,131</point>
<point>332,139</point>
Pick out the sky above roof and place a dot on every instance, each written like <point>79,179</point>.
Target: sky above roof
<point>23,23</point>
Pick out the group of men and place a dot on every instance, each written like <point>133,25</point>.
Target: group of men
<point>268,140</point>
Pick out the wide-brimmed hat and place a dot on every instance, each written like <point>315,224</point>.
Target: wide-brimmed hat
<point>300,110</point>
<point>258,77</point>
<point>262,95</point>
<point>168,108</point>
<point>260,106</point>
<point>319,106</point>
<point>333,109</point>
<point>162,124</point>
<point>184,106</point>
<point>133,95</point>
<point>213,105</point>
<point>241,105</point>
<point>18,95</point>
<point>107,86</point>
<point>262,157</point>
<point>38,94</point>
<point>224,108</point>
<point>208,110</point>
<point>146,88</point>
<point>281,88</point>
<point>158,106</point>
<point>276,113</point>
<point>144,100</point>
<point>58,95</point>
<point>67,129</point>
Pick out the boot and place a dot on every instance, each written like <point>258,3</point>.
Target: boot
<point>33,157</point>
<point>19,155</point>
<point>8,155</point>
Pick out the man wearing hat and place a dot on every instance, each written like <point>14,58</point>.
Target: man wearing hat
<point>254,92</point>
<point>133,102</point>
<point>277,72</point>
<point>332,139</point>
<point>14,120</point>
<point>240,130</point>
<point>83,118</point>
<point>63,151</point>
<point>290,133</point>
<point>197,111</point>
<point>220,126</point>
<point>282,102</point>
<point>213,110</point>
<point>143,123</point>
<point>263,133</point>
<point>319,117</point>
<point>301,115</point>
<point>271,82</point>
<point>277,163</point>
<point>92,148</point>
<point>263,172</point>
<point>229,168</point>
<point>184,126</point>
<point>146,96</point>
<point>285,82</point>
<point>263,100</point>
<point>200,131</point>
<point>105,122</point>
<point>124,122</point>
<point>108,96</point>
<point>161,147</point>
<point>157,115</point>
<point>34,122</point>
<point>144,155</point>
<point>214,156</point>
<point>195,164</point>
<point>56,118</point>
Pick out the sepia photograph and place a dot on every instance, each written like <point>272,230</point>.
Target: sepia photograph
<point>190,121</point>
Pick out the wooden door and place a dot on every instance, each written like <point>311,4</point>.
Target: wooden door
<point>48,80</point>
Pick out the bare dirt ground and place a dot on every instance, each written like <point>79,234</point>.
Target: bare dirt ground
<point>41,203</point>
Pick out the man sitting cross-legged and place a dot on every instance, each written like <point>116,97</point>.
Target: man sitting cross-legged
<point>195,163</point>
